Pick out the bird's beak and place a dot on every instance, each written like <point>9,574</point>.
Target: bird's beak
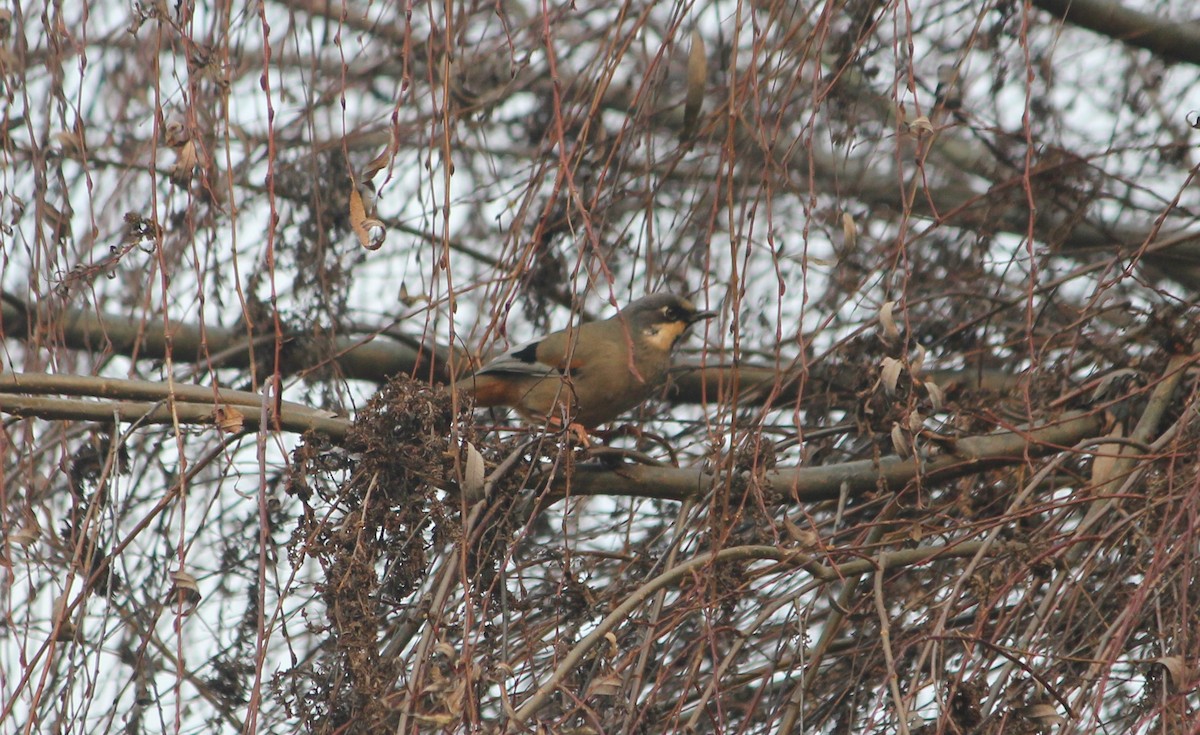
<point>700,316</point>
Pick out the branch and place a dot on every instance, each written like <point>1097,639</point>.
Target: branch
<point>787,558</point>
<point>807,484</point>
<point>672,576</point>
<point>377,360</point>
<point>1169,248</point>
<point>1171,39</point>
<point>355,358</point>
<point>22,395</point>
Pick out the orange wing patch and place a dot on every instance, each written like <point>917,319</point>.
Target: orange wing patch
<point>490,392</point>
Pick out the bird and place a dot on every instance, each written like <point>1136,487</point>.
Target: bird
<point>589,374</point>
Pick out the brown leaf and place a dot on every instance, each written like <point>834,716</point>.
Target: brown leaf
<point>473,475</point>
<point>919,127</point>
<point>185,593</point>
<point>1183,678</point>
<point>69,144</point>
<point>614,649</point>
<point>604,686</point>
<point>889,373</point>
<point>27,534</point>
<point>899,440</point>
<point>1044,715</point>
<point>937,396</point>
<point>229,419</point>
<point>849,231</point>
<point>175,134</point>
<point>887,321</point>
<point>65,630</point>
<point>185,164</point>
<point>916,364</point>
<point>380,162</point>
<point>371,232</point>
<point>358,215</point>
<point>697,79</point>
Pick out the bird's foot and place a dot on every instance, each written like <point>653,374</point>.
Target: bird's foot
<point>573,431</point>
<point>580,434</point>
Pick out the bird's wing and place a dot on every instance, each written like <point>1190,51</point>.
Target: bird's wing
<point>538,359</point>
<point>518,361</point>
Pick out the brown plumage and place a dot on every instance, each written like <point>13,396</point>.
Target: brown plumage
<point>587,370</point>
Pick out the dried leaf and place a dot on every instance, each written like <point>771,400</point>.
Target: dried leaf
<point>887,322</point>
<point>65,629</point>
<point>918,362</point>
<point>229,419</point>
<point>358,215</point>
<point>1182,677</point>
<point>69,144</point>
<point>27,534</point>
<point>175,134</point>
<point>607,685</point>
<point>447,650</point>
<point>371,232</point>
<point>456,697</point>
<point>1045,715</point>
<point>185,581</point>
<point>850,233</point>
<point>920,126</point>
<point>185,593</point>
<point>697,79</point>
<point>937,396</point>
<point>185,164</point>
<point>889,374</point>
<point>380,162</point>
<point>376,233</point>
<point>473,474</point>
<point>899,440</point>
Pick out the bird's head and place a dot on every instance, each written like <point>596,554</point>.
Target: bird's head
<point>662,318</point>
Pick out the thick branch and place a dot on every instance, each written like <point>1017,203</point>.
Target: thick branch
<point>1171,39</point>
<point>376,360</point>
<point>197,405</point>
<point>806,484</point>
<point>356,358</point>
<point>161,412</point>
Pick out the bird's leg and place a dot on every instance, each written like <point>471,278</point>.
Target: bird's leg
<point>573,430</point>
<point>580,433</point>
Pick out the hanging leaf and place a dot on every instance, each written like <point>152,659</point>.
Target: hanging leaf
<point>697,79</point>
